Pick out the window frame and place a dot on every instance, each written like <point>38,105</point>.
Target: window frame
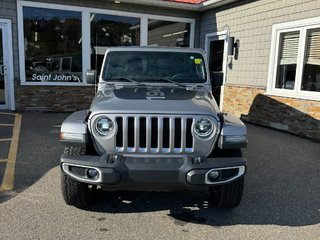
<point>302,26</point>
<point>86,34</point>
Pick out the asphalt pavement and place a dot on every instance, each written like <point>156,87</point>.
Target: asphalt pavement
<point>281,198</point>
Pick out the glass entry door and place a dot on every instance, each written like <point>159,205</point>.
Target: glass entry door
<point>216,48</point>
<point>2,84</point>
<point>216,59</point>
<point>6,66</point>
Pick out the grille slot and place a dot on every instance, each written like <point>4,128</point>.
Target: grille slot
<point>177,133</point>
<point>154,134</point>
<point>119,137</point>
<point>189,138</point>
<point>166,133</point>
<point>143,140</point>
<point>131,132</point>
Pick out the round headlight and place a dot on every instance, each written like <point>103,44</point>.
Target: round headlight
<point>204,127</point>
<point>104,126</point>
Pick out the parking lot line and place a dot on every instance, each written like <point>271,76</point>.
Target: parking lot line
<point>7,113</point>
<point>5,125</point>
<point>8,179</point>
<point>5,139</point>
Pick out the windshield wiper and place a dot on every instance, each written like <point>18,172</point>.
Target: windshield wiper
<point>126,79</point>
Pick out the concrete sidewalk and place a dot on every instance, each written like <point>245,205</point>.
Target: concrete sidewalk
<point>281,198</point>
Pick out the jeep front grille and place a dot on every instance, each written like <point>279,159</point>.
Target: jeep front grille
<point>154,134</point>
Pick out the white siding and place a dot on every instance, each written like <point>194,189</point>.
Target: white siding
<point>252,22</point>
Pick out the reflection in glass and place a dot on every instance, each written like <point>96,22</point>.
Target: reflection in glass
<point>287,63</point>
<point>170,34</point>
<point>216,55</point>
<point>53,45</point>
<point>108,31</point>
<point>216,52</point>
<point>148,66</point>
<point>2,92</point>
<point>311,71</point>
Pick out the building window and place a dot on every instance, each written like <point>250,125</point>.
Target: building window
<point>167,33</point>
<point>287,62</point>
<point>108,31</point>
<point>311,67</point>
<point>295,69</point>
<point>52,44</point>
<point>58,43</point>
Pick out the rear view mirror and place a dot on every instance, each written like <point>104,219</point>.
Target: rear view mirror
<point>91,76</point>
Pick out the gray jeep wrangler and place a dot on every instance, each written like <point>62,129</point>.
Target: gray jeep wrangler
<point>153,125</point>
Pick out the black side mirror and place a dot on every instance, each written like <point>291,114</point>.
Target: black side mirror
<point>216,79</point>
<point>91,76</point>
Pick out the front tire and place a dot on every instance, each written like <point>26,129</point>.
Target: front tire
<point>227,196</point>
<point>75,193</point>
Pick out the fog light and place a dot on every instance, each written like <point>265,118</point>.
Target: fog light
<point>92,173</point>
<point>213,175</point>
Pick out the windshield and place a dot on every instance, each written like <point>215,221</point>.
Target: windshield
<point>156,66</point>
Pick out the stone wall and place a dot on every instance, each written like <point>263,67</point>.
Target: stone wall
<point>297,116</point>
<point>53,98</point>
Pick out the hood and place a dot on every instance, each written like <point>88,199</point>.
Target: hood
<point>154,100</point>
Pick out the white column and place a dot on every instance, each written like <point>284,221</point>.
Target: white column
<point>144,31</point>
<point>86,43</point>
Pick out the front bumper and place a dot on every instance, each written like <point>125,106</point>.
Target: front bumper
<point>160,172</point>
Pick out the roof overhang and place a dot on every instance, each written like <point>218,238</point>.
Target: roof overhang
<point>204,6</point>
